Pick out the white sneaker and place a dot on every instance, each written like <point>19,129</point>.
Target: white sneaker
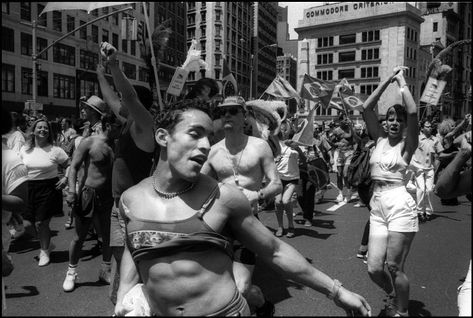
<point>105,275</point>
<point>43,258</point>
<point>70,281</point>
<point>340,197</point>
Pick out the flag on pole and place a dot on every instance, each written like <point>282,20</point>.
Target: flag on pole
<point>317,90</point>
<point>281,88</point>
<point>336,101</point>
<point>355,101</point>
<point>230,87</point>
<point>87,6</point>
<point>305,137</point>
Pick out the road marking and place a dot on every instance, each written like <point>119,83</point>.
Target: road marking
<point>336,206</point>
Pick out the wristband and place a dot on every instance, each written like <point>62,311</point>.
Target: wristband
<point>261,194</point>
<point>335,289</point>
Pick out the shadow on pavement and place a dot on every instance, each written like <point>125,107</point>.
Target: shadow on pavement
<point>32,291</point>
<point>417,308</point>
<point>92,284</point>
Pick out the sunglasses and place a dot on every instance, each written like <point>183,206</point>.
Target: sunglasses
<point>233,110</point>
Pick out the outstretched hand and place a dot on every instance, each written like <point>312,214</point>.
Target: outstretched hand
<point>353,304</point>
<point>108,51</point>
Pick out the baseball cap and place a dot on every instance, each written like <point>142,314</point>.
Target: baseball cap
<point>97,104</point>
<point>233,101</point>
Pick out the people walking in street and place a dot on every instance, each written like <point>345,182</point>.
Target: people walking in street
<point>95,197</point>
<point>178,232</point>
<point>134,149</point>
<point>393,220</point>
<point>43,160</point>
<point>423,164</point>
<point>244,161</point>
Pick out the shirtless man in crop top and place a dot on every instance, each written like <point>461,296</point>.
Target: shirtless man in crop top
<point>178,223</point>
<point>244,161</point>
<point>95,196</point>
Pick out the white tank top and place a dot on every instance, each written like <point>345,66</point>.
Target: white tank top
<point>386,162</point>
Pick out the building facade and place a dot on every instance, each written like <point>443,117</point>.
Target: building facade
<point>287,69</point>
<point>288,46</point>
<point>361,42</point>
<point>67,70</point>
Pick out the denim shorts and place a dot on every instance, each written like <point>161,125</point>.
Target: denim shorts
<point>393,210</point>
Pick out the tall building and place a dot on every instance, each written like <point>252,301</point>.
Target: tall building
<point>66,71</point>
<point>359,41</point>
<point>288,46</point>
<point>287,69</point>
<point>264,46</point>
<point>446,23</point>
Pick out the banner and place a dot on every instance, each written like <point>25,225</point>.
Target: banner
<point>281,88</point>
<point>317,90</point>
<point>178,81</point>
<point>433,90</point>
<point>305,137</point>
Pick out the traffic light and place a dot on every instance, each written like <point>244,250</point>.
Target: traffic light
<point>140,32</point>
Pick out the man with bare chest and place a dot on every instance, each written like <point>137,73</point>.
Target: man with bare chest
<point>95,197</point>
<point>246,162</point>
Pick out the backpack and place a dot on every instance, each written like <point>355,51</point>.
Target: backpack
<point>358,172</point>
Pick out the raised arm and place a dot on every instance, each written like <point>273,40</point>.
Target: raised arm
<point>374,129</point>
<point>142,128</point>
<point>412,136</point>
<point>109,96</point>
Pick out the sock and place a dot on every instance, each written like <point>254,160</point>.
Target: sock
<point>107,266</point>
<point>72,268</point>
<point>363,248</point>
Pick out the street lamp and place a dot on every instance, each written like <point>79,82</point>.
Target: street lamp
<point>252,63</point>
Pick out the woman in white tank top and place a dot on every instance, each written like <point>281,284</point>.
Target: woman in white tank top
<point>393,219</point>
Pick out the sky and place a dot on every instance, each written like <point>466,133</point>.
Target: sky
<point>295,13</point>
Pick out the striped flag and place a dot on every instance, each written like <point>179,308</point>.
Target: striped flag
<point>281,88</point>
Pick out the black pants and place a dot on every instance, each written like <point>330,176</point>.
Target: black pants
<point>306,201</point>
<point>365,192</point>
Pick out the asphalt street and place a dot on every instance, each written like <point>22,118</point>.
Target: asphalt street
<point>437,264</point>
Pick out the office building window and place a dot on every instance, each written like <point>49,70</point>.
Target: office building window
<point>57,21</point>
<point>25,11</point>
<point>325,42</point>
<point>369,54</point>
<point>64,54</point>
<point>368,72</point>
<point>217,74</point>
<point>143,74</point>
<point>115,18</point>
<point>41,44</point>
<point>325,75</point>
<point>133,48</point>
<point>95,33</point>
<point>348,73</point>
<point>115,40</point>
<point>369,36</point>
<point>8,39</point>
<point>26,44</point>
<point>435,27</point>
<point>26,81</point>
<point>104,35</point>
<point>64,86</point>
<point>346,56</point>
<point>124,46</point>
<point>83,31</point>
<point>347,39</point>
<point>129,70</point>
<point>88,60</point>
<point>324,58</point>
<point>88,88</point>
<point>42,83</point>
<point>71,23</point>
<point>367,89</point>
<point>8,77</point>
<point>43,19</point>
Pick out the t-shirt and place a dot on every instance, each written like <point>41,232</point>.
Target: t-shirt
<point>14,173</point>
<point>15,140</point>
<point>287,163</point>
<point>42,163</point>
<point>423,155</point>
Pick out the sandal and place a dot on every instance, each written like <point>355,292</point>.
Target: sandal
<point>290,233</point>
<point>279,232</point>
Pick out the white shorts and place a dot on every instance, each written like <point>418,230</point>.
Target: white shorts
<point>393,210</point>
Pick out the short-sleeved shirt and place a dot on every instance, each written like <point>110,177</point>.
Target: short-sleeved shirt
<point>287,163</point>
<point>422,157</point>
<point>42,163</point>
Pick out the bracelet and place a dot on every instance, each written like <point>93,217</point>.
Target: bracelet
<point>402,88</point>
<point>261,194</point>
<point>335,289</point>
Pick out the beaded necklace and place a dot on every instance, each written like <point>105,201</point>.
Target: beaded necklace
<point>170,195</point>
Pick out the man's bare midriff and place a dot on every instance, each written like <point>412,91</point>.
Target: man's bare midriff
<point>188,283</point>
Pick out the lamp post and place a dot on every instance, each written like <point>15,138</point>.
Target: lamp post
<point>252,64</point>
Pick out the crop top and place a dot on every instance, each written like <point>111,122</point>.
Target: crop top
<point>386,162</point>
<point>148,239</point>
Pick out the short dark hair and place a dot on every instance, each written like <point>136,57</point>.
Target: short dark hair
<point>399,110</point>
<point>172,114</point>
<point>199,85</point>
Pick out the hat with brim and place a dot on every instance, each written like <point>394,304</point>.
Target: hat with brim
<point>233,101</point>
<point>96,103</point>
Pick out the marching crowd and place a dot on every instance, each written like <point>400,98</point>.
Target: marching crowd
<point>174,200</point>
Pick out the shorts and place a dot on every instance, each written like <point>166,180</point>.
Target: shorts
<point>117,227</point>
<point>393,210</point>
<point>344,158</point>
<point>286,182</point>
<point>92,200</point>
<point>44,200</point>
